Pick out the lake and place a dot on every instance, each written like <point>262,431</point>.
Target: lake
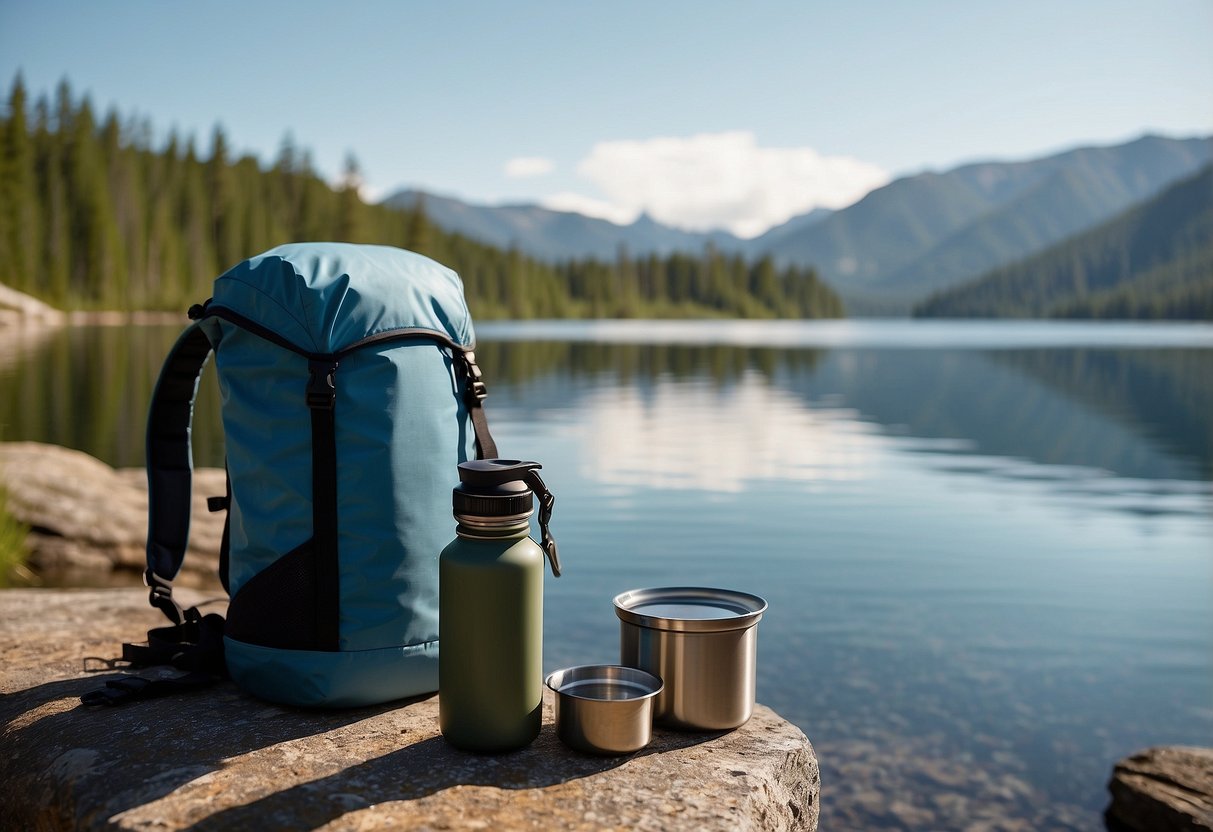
<point>987,547</point>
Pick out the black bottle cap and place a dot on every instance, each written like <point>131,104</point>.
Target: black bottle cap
<point>505,488</point>
<point>494,488</point>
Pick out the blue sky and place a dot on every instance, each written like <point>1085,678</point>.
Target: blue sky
<point>705,114</point>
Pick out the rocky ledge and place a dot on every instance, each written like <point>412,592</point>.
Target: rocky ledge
<point>218,759</point>
<point>88,521</point>
<point>1164,789</point>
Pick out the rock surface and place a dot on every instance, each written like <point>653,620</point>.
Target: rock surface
<point>218,759</point>
<point>85,517</point>
<point>17,308</point>
<point>1164,789</point>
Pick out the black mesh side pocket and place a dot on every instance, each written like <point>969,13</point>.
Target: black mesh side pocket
<point>277,606</point>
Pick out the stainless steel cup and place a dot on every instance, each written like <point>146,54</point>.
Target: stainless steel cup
<point>604,709</point>
<point>702,643</point>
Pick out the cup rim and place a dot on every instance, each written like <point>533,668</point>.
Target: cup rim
<point>746,607</point>
<point>652,684</point>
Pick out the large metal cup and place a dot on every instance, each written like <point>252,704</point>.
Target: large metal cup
<point>702,643</point>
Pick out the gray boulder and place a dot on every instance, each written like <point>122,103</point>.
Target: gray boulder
<point>88,520</point>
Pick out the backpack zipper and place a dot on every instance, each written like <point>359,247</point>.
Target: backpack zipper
<point>405,334</point>
<point>322,366</point>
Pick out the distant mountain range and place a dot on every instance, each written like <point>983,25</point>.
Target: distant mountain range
<point>917,235</point>
<point>930,231</point>
<point>1153,261</point>
<point>557,235</point>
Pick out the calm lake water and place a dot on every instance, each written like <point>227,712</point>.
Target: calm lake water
<point>987,548</point>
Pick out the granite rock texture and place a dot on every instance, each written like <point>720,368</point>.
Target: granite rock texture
<point>218,759</point>
<point>1163,789</point>
<point>88,519</point>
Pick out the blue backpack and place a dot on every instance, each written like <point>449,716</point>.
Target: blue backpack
<point>350,394</point>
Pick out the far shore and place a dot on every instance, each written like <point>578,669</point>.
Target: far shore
<point>10,318</point>
<point>118,318</point>
<point>19,309</point>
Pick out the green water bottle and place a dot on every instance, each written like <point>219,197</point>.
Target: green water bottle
<point>490,608</point>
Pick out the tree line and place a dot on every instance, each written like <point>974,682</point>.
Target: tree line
<point>95,215</point>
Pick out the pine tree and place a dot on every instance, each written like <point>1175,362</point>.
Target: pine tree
<point>194,217</point>
<point>98,260</point>
<point>20,201</point>
<point>125,202</point>
<point>419,232</point>
<point>57,241</point>
<point>225,220</point>
<point>349,209</point>
<point>627,285</point>
<point>765,287</point>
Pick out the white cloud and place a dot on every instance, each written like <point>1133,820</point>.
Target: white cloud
<point>590,207</point>
<point>722,180</point>
<point>522,167</point>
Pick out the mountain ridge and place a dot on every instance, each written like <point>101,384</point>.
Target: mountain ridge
<point>558,235</point>
<point>920,233</point>
<point>1153,260</point>
<point>891,243</point>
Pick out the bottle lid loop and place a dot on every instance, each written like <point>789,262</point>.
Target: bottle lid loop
<point>493,488</point>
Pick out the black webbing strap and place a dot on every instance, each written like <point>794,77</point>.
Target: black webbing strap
<point>475,392</point>
<point>224,503</point>
<point>321,398</point>
<point>195,645</point>
<point>134,688</point>
<point>170,466</point>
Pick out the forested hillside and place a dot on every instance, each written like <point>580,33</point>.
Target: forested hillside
<point>1153,261</point>
<point>933,231</point>
<point>94,215</point>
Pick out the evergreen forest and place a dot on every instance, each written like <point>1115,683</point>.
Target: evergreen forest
<point>1154,261</point>
<point>95,213</point>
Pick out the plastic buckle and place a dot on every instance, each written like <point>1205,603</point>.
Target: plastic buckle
<point>198,311</point>
<point>476,387</point>
<point>321,386</point>
<point>161,596</point>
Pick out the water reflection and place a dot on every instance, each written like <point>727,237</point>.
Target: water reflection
<point>88,387</point>
<point>1143,415</point>
<point>18,342</point>
<point>694,435</point>
<point>665,412</point>
<point>1164,394</point>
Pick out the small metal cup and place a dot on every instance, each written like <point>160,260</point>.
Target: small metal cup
<point>604,709</point>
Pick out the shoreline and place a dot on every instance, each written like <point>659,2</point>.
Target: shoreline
<point>18,309</point>
<point>117,318</point>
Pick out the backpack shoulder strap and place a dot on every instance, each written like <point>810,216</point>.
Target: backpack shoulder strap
<point>170,466</point>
